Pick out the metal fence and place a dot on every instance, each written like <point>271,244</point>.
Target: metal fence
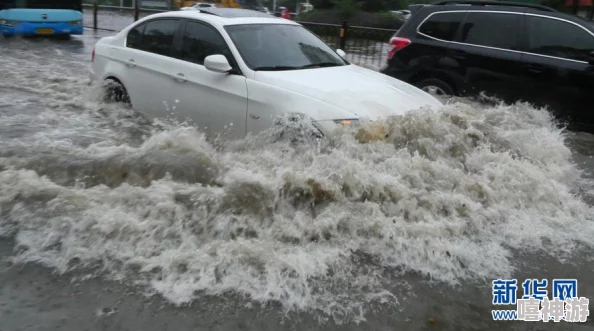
<point>363,45</point>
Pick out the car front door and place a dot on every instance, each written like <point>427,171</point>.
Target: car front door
<point>214,102</point>
<point>487,50</point>
<point>150,51</point>
<point>556,68</point>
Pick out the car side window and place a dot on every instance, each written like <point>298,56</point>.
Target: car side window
<point>557,38</point>
<point>492,29</point>
<point>158,36</point>
<point>442,26</point>
<point>134,38</point>
<point>200,41</point>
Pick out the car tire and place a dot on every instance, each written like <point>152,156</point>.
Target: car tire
<point>114,91</point>
<point>435,86</point>
<point>296,130</point>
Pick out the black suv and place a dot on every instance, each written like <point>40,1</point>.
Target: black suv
<point>508,50</point>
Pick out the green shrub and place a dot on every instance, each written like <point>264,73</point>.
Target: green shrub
<point>383,20</point>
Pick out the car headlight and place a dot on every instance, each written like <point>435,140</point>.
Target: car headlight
<point>79,22</point>
<point>8,22</point>
<point>348,122</point>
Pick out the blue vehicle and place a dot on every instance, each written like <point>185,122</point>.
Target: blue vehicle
<point>41,17</point>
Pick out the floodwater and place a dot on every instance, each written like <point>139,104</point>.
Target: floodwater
<point>111,222</point>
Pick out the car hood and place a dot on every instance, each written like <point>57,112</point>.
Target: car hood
<point>360,91</point>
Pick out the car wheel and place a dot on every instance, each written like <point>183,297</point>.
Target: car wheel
<point>435,86</point>
<point>296,130</point>
<point>114,91</point>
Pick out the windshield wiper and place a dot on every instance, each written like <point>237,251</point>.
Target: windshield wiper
<point>275,68</point>
<point>320,65</point>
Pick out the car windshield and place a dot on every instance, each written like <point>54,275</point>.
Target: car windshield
<point>281,47</point>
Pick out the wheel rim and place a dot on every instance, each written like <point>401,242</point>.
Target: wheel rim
<point>434,90</point>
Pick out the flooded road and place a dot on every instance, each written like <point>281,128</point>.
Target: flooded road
<point>111,222</point>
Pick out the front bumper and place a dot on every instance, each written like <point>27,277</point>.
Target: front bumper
<point>35,29</point>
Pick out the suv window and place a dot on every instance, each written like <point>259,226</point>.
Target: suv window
<point>558,38</point>
<point>492,29</point>
<point>442,25</point>
<point>158,36</point>
<point>200,41</point>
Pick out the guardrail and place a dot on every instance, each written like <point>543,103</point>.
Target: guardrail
<point>363,45</point>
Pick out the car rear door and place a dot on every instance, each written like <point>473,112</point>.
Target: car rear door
<point>556,68</point>
<point>487,52</point>
<point>151,49</point>
<point>428,55</point>
<point>215,102</point>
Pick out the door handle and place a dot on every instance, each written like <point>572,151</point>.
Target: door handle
<point>180,77</point>
<point>458,54</point>
<point>254,116</point>
<point>131,63</point>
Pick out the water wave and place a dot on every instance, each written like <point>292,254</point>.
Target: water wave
<point>448,194</point>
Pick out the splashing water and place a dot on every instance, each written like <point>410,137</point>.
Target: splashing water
<point>448,195</point>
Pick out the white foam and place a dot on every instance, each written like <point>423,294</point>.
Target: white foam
<point>442,204</point>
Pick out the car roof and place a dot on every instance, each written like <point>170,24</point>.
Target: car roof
<point>510,5</point>
<point>486,5</point>
<point>226,16</point>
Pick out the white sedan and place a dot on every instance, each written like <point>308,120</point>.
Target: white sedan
<point>233,71</point>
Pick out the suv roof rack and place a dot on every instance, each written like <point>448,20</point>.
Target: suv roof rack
<point>232,12</point>
<point>494,3</point>
<point>201,10</point>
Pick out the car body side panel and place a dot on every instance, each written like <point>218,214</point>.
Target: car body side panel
<point>215,102</point>
<point>108,62</point>
<point>561,84</point>
<point>266,102</point>
<point>426,57</point>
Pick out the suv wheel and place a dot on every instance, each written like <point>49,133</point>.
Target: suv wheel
<point>435,86</point>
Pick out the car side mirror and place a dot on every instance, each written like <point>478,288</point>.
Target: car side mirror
<point>217,63</point>
<point>341,53</point>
